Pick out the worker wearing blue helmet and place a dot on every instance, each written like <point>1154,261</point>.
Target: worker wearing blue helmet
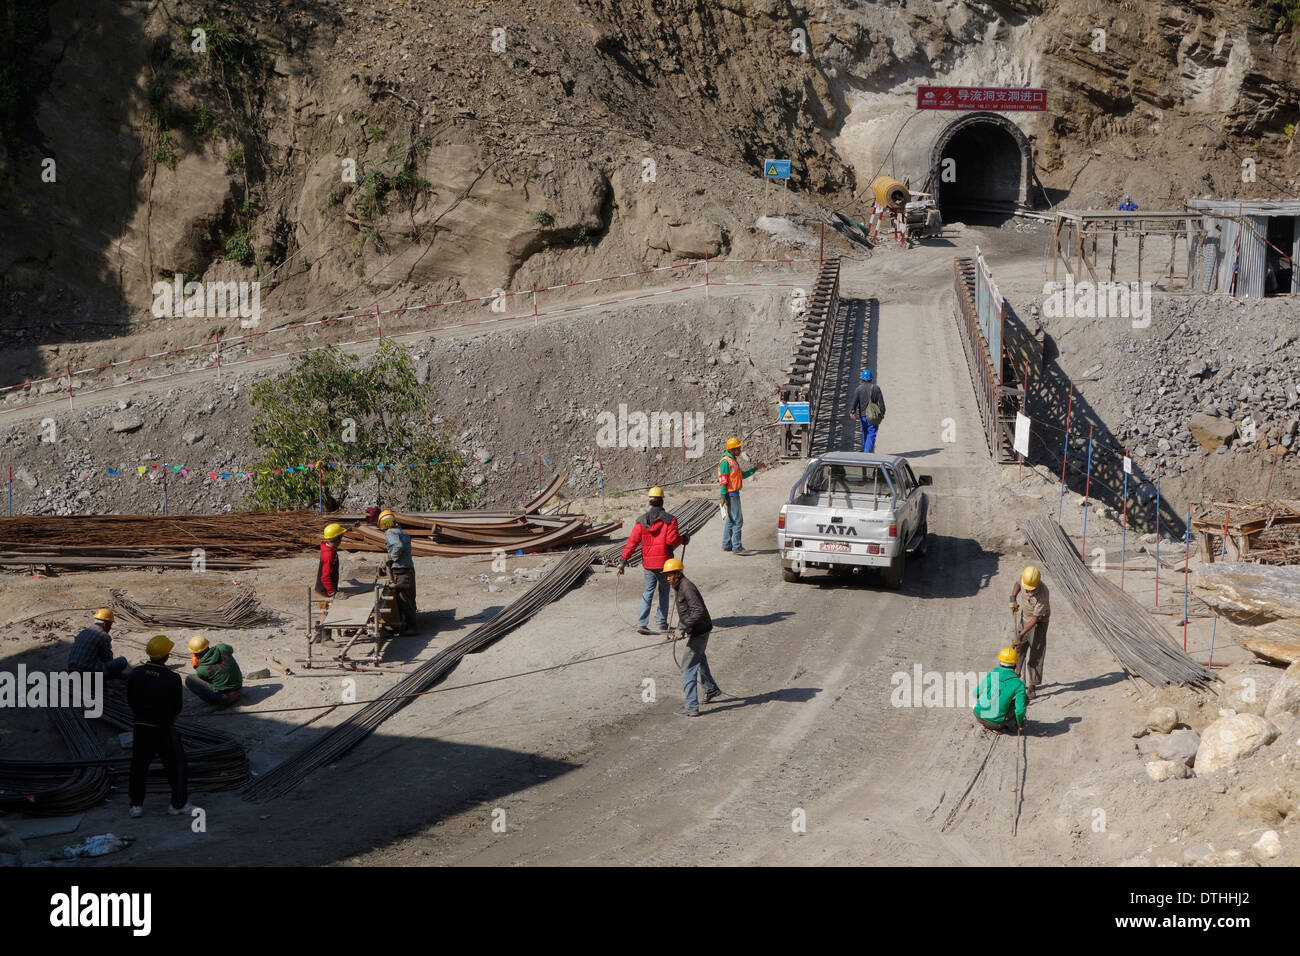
<point>868,408</point>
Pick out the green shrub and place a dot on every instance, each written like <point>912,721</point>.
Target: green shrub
<point>239,249</point>
<point>165,153</point>
<point>205,124</point>
<point>544,219</point>
<point>298,420</point>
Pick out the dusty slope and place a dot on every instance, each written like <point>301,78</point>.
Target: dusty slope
<point>487,139</point>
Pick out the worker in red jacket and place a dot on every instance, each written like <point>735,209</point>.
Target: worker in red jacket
<point>655,532</point>
<point>327,572</point>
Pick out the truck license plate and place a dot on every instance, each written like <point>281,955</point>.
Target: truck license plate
<point>835,546</point>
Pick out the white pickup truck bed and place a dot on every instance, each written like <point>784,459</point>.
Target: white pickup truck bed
<point>851,509</point>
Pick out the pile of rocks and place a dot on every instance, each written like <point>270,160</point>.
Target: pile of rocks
<point>1210,373</point>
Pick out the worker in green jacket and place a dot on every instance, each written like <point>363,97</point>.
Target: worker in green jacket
<point>217,678</point>
<point>1000,699</point>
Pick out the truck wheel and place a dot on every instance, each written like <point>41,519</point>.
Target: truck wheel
<point>922,543</point>
<point>789,575</point>
<point>893,575</point>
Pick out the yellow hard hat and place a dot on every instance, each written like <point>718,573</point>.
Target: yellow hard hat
<point>733,444</point>
<point>332,530</point>
<point>1008,656</point>
<point>672,564</point>
<point>158,646</point>
<point>656,492</point>
<point>386,520</point>
<point>105,614</point>
<point>198,644</point>
<point>1029,578</point>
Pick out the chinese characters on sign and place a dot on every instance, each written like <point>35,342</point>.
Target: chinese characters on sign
<point>979,98</point>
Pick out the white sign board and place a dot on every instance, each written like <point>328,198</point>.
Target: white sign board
<point>1022,434</point>
<point>1128,465</point>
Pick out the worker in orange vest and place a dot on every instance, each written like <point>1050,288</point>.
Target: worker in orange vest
<point>730,479</point>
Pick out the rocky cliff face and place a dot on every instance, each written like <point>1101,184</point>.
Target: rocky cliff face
<point>349,152</point>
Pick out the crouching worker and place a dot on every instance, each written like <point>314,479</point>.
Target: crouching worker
<point>1000,700</point>
<point>154,695</point>
<point>217,678</point>
<point>92,649</point>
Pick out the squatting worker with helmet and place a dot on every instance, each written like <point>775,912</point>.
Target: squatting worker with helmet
<point>868,407</point>
<point>153,693</point>
<point>217,678</point>
<point>401,568</point>
<point>92,648</point>
<point>730,480</point>
<point>694,624</point>
<point>327,572</point>
<point>656,534</point>
<point>1032,626</point>
<point>1000,699</point>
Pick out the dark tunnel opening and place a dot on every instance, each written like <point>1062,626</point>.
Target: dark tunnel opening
<point>980,168</point>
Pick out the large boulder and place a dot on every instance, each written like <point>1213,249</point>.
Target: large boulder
<point>1179,746</point>
<point>1286,695</point>
<point>695,240</point>
<point>1248,687</point>
<point>1230,739</point>
<point>1162,719</point>
<point>1211,430</point>
<point>1159,770</point>
<point>1267,847</point>
<point>1262,600</point>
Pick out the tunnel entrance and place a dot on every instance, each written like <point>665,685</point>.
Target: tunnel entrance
<point>980,166</point>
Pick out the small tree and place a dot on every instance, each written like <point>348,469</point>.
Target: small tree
<point>332,408</point>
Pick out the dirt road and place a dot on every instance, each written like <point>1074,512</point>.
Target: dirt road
<point>808,761</point>
<point>809,734</point>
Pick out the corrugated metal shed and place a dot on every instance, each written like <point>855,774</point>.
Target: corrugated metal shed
<point>1234,255</point>
<point>1245,207</point>
<point>1295,260</point>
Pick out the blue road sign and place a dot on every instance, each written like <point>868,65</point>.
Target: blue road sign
<point>776,169</point>
<point>793,413</point>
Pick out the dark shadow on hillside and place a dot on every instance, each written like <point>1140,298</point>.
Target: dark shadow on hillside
<point>118,99</point>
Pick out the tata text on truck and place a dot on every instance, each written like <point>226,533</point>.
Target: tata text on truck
<point>854,510</point>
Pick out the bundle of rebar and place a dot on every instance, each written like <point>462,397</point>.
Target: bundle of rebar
<point>482,533</point>
<point>287,775</point>
<point>243,610</point>
<point>1140,645</point>
<point>691,516</point>
<point>228,541</point>
<point>56,787</point>
<point>214,761</point>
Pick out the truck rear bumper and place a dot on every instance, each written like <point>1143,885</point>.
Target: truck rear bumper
<point>826,559</point>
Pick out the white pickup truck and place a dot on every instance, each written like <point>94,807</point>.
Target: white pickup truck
<point>851,509</point>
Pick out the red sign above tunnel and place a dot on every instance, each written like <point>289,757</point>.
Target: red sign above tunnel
<point>980,98</point>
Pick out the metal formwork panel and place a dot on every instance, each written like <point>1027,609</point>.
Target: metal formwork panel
<point>1252,258</point>
<point>1295,256</point>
